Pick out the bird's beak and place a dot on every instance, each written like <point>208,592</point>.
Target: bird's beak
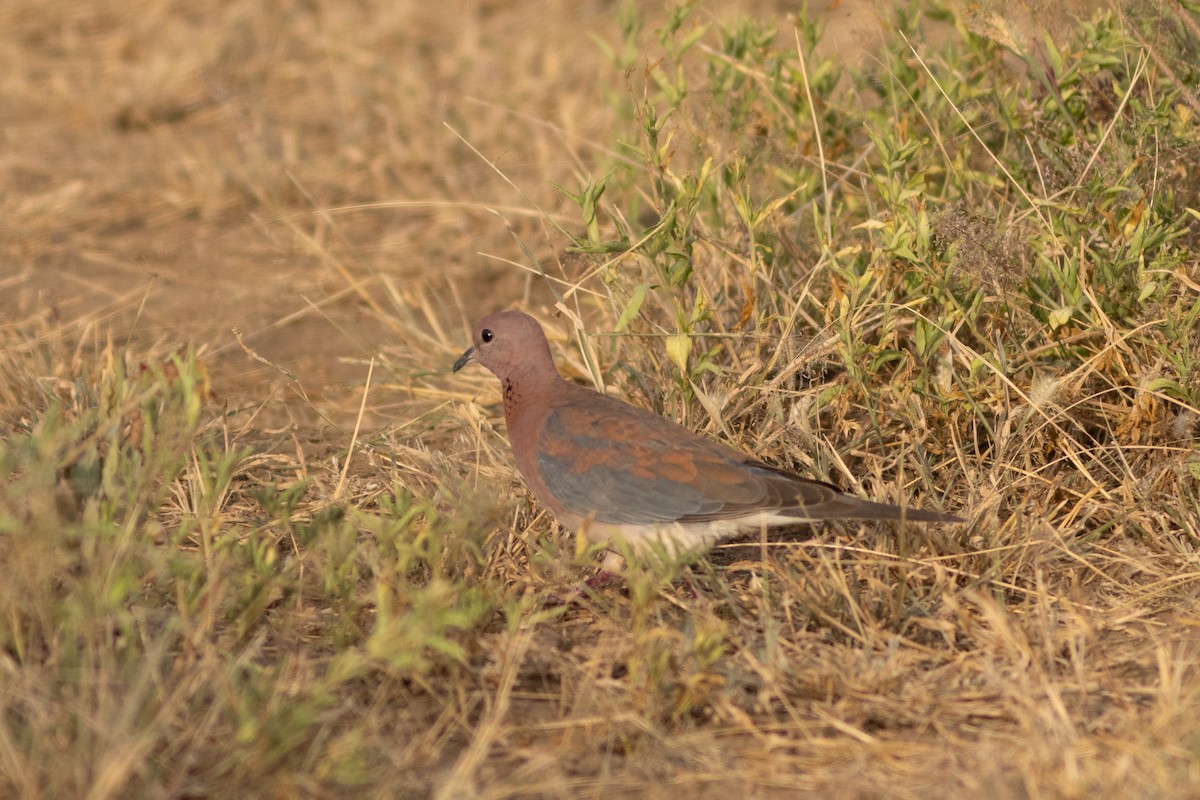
<point>464,359</point>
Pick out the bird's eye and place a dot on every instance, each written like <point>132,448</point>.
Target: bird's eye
<point>486,335</point>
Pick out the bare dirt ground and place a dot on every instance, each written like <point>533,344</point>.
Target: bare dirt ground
<point>173,172</point>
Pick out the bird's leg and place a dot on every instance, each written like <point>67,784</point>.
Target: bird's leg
<point>610,569</point>
<point>601,579</point>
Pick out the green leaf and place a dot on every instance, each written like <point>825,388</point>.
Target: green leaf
<point>634,305</point>
<point>1170,388</point>
<point>928,336</point>
<point>679,347</point>
<point>1060,317</point>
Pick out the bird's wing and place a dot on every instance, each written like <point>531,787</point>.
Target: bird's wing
<point>622,465</point>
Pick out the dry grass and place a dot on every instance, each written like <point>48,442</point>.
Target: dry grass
<point>297,561</point>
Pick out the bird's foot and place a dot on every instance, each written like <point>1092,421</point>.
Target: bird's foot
<point>601,579</point>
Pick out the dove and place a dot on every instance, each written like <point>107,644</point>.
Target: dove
<point>619,473</point>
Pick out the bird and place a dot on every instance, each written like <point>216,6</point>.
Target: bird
<point>623,474</point>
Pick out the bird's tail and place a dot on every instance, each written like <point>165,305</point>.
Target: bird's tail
<point>852,507</point>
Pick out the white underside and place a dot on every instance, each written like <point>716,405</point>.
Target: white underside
<point>675,539</point>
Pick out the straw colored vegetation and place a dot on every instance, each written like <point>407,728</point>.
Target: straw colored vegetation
<point>298,562</point>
